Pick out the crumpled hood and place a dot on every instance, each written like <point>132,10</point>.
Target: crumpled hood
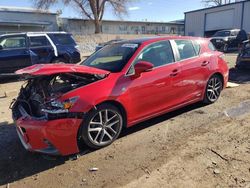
<point>50,69</point>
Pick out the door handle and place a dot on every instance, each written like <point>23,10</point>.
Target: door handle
<point>174,72</point>
<point>205,63</point>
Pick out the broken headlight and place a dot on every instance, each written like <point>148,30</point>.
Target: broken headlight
<point>60,107</point>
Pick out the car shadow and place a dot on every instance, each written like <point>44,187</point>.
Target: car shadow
<point>16,163</point>
<point>240,76</point>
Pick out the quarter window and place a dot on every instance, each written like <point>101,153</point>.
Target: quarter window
<point>186,49</point>
<point>13,42</point>
<point>38,41</point>
<point>158,54</point>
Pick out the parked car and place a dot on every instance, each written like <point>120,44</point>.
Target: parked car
<point>226,40</point>
<point>63,106</point>
<point>25,49</point>
<point>101,45</point>
<point>243,59</point>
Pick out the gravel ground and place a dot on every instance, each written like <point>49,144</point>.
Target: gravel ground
<point>196,146</point>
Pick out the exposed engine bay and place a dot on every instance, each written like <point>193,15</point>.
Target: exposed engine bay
<point>38,97</point>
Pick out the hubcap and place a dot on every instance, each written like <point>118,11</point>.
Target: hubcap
<point>104,127</point>
<point>214,89</point>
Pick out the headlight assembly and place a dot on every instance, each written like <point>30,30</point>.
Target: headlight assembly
<point>60,107</point>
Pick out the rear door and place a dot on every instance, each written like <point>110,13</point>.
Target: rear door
<point>41,49</point>
<point>14,53</point>
<point>194,68</point>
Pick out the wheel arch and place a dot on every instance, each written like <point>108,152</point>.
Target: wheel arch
<point>119,106</point>
<point>220,75</point>
<point>112,102</point>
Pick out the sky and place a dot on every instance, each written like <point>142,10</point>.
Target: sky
<point>138,10</point>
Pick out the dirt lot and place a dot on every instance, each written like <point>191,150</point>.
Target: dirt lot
<point>197,146</point>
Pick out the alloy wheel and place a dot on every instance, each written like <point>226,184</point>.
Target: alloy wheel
<point>104,127</point>
<point>214,89</point>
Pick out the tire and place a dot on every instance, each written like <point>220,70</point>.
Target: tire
<point>213,89</point>
<point>59,61</point>
<point>98,132</point>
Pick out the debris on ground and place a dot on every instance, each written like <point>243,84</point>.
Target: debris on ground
<point>219,155</point>
<point>232,85</point>
<point>94,169</point>
<point>242,109</point>
<point>216,171</point>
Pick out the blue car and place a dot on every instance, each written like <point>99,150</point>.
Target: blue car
<point>25,49</point>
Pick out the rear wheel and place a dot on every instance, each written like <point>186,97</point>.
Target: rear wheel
<point>102,126</point>
<point>213,89</point>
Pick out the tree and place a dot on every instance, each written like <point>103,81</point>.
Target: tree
<point>92,9</point>
<point>217,2</point>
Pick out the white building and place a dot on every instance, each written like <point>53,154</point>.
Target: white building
<point>14,19</point>
<point>205,22</point>
<point>80,26</point>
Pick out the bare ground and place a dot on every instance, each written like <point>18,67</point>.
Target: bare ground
<point>196,146</point>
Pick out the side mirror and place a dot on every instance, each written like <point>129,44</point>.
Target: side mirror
<point>142,66</point>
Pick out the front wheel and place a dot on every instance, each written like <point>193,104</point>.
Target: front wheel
<point>102,126</point>
<point>213,89</point>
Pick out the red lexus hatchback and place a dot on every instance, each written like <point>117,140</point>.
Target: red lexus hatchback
<point>62,105</point>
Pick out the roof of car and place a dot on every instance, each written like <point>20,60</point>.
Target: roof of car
<point>24,33</point>
<point>158,38</point>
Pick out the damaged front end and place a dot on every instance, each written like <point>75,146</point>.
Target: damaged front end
<point>43,120</point>
<point>39,98</point>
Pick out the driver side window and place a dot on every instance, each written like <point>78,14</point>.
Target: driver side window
<point>159,54</point>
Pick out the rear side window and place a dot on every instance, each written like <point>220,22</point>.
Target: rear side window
<point>64,39</point>
<point>186,49</point>
<point>13,42</point>
<point>39,41</point>
<point>211,46</point>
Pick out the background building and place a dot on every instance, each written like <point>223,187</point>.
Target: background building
<point>80,26</point>
<point>14,19</point>
<point>205,22</point>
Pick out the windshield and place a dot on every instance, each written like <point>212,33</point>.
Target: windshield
<point>222,34</point>
<point>112,57</point>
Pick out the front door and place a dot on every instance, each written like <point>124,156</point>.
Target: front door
<point>14,53</point>
<point>152,92</point>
